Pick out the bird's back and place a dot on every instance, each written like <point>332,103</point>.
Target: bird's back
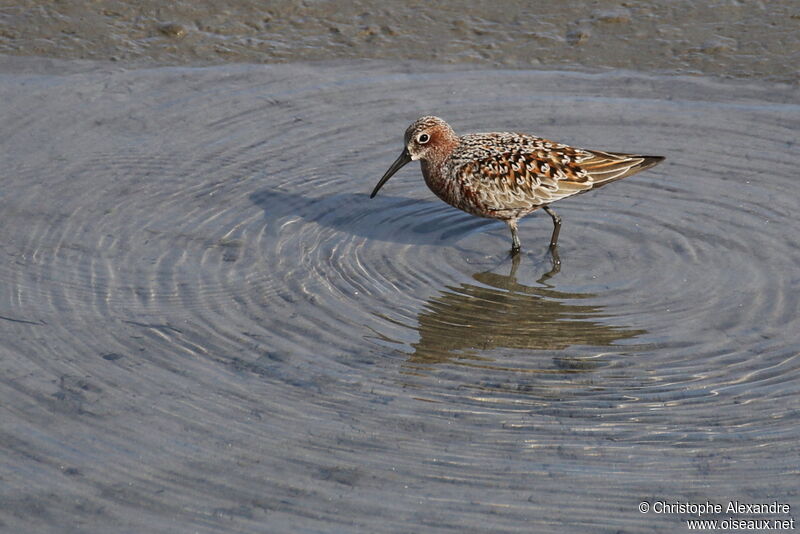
<point>507,175</point>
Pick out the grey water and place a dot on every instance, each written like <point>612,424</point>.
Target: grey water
<point>207,326</point>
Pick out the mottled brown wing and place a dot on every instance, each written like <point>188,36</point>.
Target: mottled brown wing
<point>524,178</point>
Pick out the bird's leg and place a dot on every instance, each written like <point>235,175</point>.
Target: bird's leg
<point>556,258</point>
<point>515,244</point>
<point>556,226</point>
<point>512,276</point>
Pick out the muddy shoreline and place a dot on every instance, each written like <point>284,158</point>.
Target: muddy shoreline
<point>731,39</point>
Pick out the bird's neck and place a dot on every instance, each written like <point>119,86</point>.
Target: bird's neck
<point>434,166</point>
<point>435,172</point>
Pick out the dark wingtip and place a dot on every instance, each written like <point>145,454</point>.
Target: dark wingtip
<point>650,161</point>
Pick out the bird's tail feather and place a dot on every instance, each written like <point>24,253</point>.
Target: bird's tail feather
<point>607,167</point>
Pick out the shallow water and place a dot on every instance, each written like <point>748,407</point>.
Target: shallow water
<point>206,324</point>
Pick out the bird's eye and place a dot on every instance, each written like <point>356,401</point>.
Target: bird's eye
<point>423,138</point>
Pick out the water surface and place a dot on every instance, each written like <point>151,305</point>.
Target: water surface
<point>206,325</point>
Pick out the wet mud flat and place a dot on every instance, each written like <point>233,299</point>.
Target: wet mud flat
<point>206,325</point>
<point>735,38</point>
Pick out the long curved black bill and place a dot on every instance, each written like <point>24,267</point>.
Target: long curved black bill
<point>404,158</point>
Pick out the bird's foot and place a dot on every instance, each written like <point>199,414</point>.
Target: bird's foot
<point>556,266</point>
<point>515,250</point>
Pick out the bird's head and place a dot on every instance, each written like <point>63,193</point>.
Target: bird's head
<point>428,139</point>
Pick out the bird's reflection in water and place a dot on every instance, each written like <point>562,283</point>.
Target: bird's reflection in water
<point>465,323</point>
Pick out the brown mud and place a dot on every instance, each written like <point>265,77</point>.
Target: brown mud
<point>742,39</point>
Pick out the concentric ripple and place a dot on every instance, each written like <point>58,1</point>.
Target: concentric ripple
<point>208,325</point>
